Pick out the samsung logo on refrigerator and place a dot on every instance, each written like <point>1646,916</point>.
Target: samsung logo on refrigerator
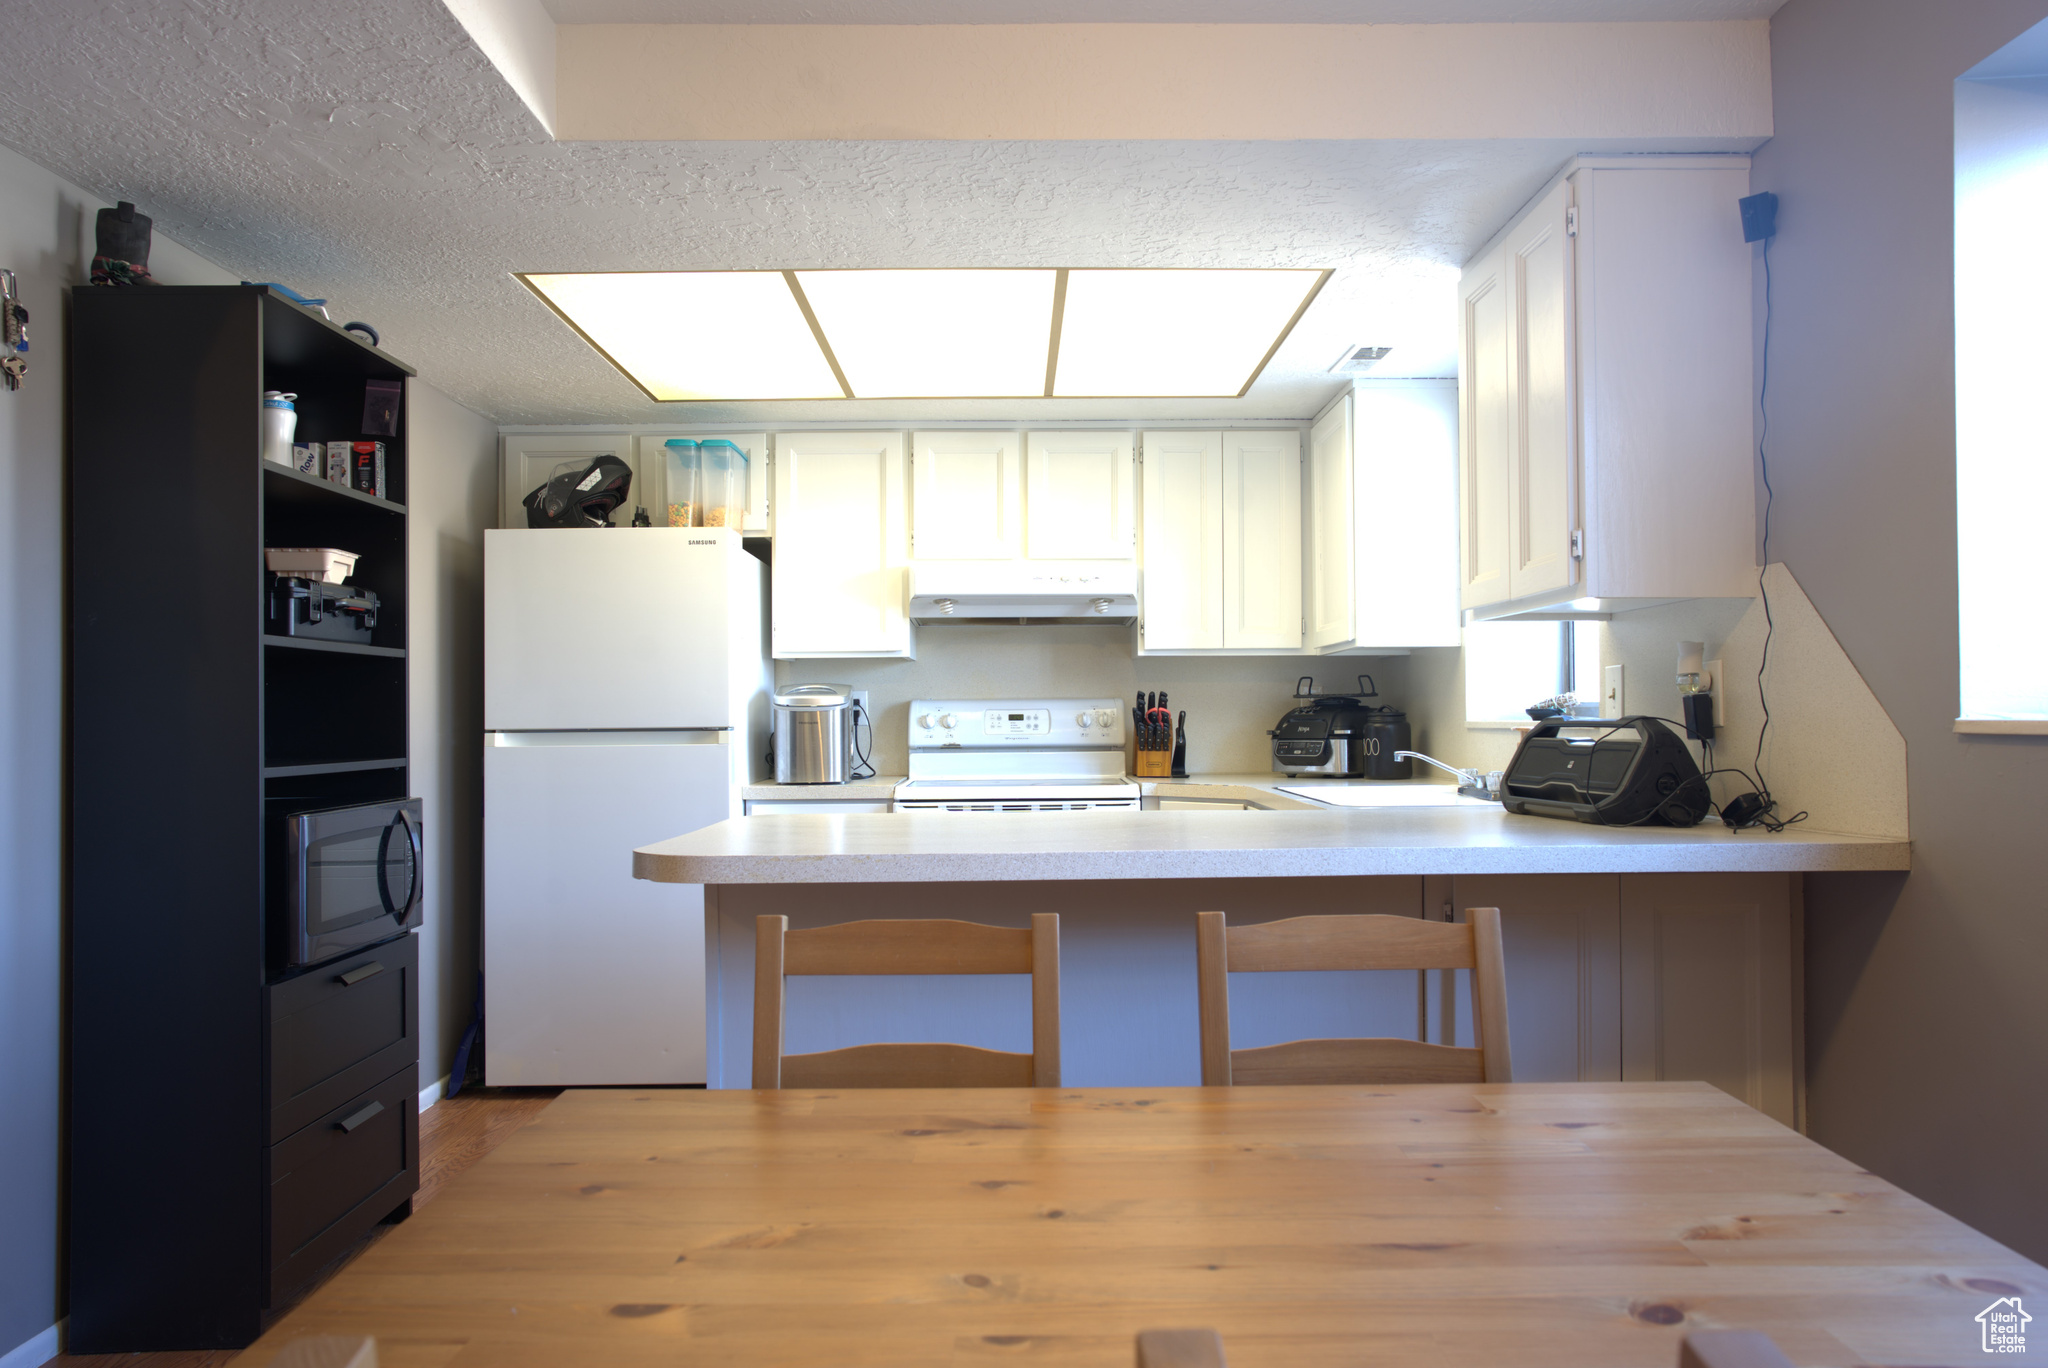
<point>705,541</point>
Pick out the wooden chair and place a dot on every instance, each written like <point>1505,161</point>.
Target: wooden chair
<point>1180,1349</point>
<point>1356,942</point>
<point>908,947</point>
<point>1730,1349</point>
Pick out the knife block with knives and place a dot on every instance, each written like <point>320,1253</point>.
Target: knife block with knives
<point>1160,742</point>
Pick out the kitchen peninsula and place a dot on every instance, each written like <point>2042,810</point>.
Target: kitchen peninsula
<point>1638,953</point>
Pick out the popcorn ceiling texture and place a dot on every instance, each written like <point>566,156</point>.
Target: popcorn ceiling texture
<point>367,152</point>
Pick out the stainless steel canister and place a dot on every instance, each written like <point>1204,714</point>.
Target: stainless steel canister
<point>813,734</point>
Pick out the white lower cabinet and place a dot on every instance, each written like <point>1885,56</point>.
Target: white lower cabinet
<point>1221,558</point>
<point>1641,977</point>
<point>842,546</point>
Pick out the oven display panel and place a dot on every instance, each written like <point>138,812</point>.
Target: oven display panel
<point>1028,722</point>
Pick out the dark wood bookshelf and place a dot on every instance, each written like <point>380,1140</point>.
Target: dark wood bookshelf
<point>194,730</point>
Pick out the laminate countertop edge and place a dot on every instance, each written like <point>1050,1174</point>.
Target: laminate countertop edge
<point>936,848</point>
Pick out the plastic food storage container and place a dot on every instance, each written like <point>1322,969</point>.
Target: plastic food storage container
<point>724,484</point>
<point>323,563</point>
<point>685,481</point>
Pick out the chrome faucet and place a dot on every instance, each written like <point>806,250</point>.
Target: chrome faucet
<point>1471,782</point>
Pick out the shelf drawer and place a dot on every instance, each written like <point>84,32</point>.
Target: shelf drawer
<point>338,1029</point>
<point>333,1180</point>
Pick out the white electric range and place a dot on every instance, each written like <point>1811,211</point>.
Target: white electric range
<point>1017,755</point>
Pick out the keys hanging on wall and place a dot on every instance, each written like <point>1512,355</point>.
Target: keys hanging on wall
<point>13,332</point>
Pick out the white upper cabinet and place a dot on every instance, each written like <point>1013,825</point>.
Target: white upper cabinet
<point>1605,372</point>
<point>1329,572</point>
<point>842,545</point>
<point>1080,496</point>
<point>1222,546</point>
<point>967,495</point>
<point>1262,540</point>
<point>1383,519</point>
<point>1183,547</point>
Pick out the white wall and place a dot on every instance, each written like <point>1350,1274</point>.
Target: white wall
<point>46,239</point>
<point>451,497</point>
<point>1231,701</point>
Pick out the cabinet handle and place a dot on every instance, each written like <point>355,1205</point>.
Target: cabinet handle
<point>358,974</point>
<point>350,1123</point>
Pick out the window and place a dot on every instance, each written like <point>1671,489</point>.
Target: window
<point>2001,354</point>
<point>1512,665</point>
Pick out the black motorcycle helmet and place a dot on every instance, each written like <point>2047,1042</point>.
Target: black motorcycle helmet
<point>581,498</point>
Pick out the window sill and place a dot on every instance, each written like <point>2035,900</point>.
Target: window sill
<point>2003,726</point>
<point>1498,724</point>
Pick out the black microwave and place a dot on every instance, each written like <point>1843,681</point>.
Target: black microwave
<point>353,878</point>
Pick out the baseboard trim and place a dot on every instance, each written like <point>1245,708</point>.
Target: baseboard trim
<point>429,1095</point>
<point>37,1351</point>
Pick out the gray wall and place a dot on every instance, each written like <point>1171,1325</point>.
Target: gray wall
<point>1927,1026</point>
<point>451,497</point>
<point>46,228</point>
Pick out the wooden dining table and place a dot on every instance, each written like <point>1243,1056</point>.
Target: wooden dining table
<point>1558,1225</point>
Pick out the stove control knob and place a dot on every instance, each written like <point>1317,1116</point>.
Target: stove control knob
<point>947,720</point>
<point>1084,719</point>
<point>1104,717</point>
<point>925,721</point>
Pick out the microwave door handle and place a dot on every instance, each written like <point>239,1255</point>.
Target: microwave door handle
<point>412,892</point>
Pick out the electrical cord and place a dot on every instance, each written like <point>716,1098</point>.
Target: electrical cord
<point>1763,403</point>
<point>862,767</point>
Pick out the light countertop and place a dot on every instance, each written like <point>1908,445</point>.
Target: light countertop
<point>1474,839</point>
<point>875,790</point>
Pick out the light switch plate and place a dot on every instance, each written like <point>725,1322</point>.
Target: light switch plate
<point>1719,684</point>
<point>1613,701</point>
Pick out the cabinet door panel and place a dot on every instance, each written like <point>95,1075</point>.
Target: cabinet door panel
<point>966,495</point>
<point>1262,540</point>
<point>1707,983</point>
<point>1405,467</point>
<point>1079,496</point>
<point>1543,432</point>
<point>840,545</point>
<point>1561,937</point>
<point>1330,531</point>
<point>528,461</point>
<point>1484,316</point>
<point>1183,546</point>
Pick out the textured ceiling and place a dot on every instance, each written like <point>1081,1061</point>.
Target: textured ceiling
<point>1145,11</point>
<point>369,153</point>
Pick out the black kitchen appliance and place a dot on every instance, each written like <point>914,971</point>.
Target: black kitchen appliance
<point>352,877</point>
<point>1630,771</point>
<point>327,612</point>
<point>1341,735</point>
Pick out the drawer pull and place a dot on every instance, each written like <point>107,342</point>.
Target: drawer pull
<point>359,973</point>
<point>350,1123</point>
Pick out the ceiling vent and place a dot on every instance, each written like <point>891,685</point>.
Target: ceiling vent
<point>1357,360</point>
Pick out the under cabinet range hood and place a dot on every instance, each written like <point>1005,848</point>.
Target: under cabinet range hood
<point>1024,592</point>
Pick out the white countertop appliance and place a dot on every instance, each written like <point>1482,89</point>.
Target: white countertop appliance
<point>626,685</point>
<point>1017,755</point>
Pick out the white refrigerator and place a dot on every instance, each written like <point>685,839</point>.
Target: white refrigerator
<point>626,687</point>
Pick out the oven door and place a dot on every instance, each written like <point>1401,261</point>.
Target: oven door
<point>356,877</point>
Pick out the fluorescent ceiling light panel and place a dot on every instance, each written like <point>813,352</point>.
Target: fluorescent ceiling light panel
<point>697,334</point>
<point>1172,333</point>
<point>936,334</point>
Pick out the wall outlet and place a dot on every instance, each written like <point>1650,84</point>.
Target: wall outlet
<point>860,700</point>
<point>1613,701</point>
<point>1717,680</point>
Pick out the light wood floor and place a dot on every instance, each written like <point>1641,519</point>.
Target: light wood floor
<point>454,1134</point>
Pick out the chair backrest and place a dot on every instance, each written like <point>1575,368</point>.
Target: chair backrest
<point>1180,1349</point>
<point>908,947</point>
<point>1730,1349</point>
<point>1353,942</point>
